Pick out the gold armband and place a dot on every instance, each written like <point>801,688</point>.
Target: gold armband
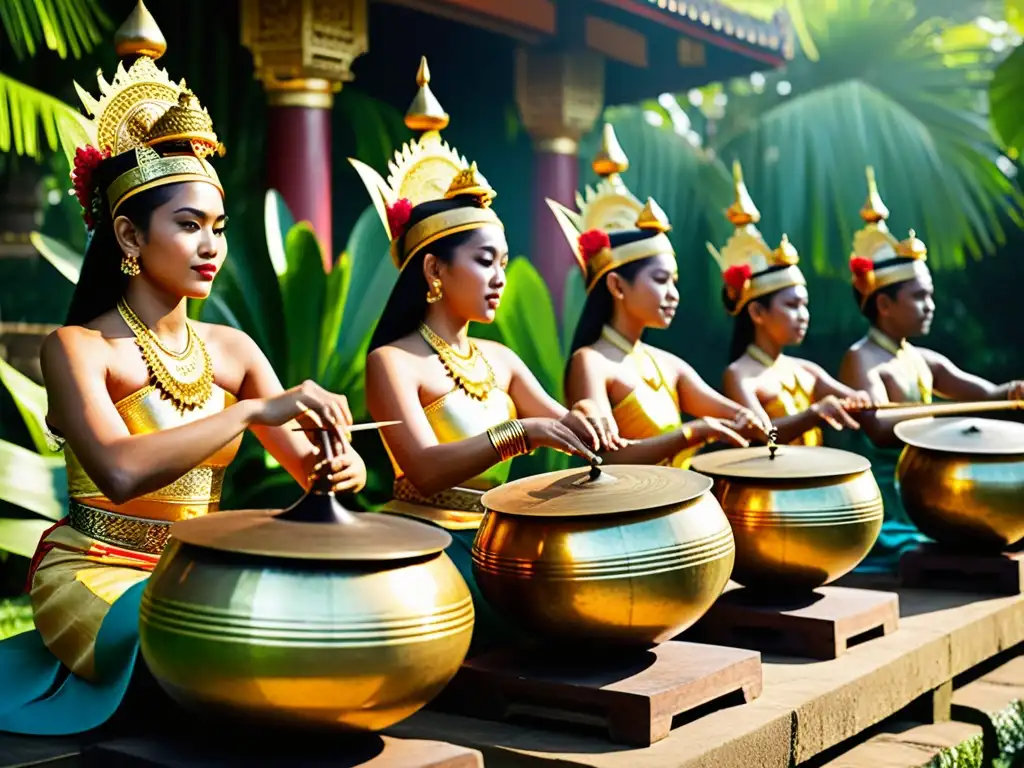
<point>687,433</point>
<point>509,439</point>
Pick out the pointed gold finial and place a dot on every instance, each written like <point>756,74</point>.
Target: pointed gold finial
<point>786,253</point>
<point>140,35</point>
<point>610,159</point>
<point>874,209</point>
<point>652,217</point>
<point>912,247</point>
<point>471,182</point>
<point>425,113</point>
<point>742,211</point>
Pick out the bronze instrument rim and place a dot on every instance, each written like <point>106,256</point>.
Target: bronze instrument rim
<point>568,489</point>
<point>371,537</point>
<point>910,433</point>
<point>728,464</point>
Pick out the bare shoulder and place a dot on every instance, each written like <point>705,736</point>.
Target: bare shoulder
<point>73,345</point>
<point>494,350</point>
<point>669,361</point>
<point>589,359</point>
<point>225,336</point>
<point>402,354</point>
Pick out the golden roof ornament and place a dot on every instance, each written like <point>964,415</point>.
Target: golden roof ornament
<point>610,159</point>
<point>187,121</point>
<point>471,182</point>
<point>912,247</point>
<point>139,35</point>
<point>425,113</point>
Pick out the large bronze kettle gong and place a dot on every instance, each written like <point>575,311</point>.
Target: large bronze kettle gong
<point>802,516</point>
<point>623,555</point>
<point>961,481</point>
<point>314,615</point>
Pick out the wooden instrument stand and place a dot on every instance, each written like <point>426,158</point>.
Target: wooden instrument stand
<point>822,624</point>
<point>633,695</point>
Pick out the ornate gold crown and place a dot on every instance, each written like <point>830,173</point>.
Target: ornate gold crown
<point>424,170</point>
<point>610,207</point>
<point>749,266</point>
<point>143,108</point>
<point>874,245</point>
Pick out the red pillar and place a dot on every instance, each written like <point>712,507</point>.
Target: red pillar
<point>555,176</point>
<point>299,154</point>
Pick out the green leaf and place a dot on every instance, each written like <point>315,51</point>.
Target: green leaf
<point>526,321</point>
<point>278,222</point>
<point>30,398</point>
<point>302,291</point>
<point>21,537</point>
<point>373,277</point>
<point>337,286</point>
<point>33,482</point>
<point>65,259</point>
<point>1006,95</point>
<point>572,308</point>
<point>73,24</point>
<point>24,111</point>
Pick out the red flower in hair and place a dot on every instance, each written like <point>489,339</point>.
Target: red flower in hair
<point>592,242</point>
<point>861,266</point>
<point>398,216</point>
<point>87,160</point>
<point>736,277</point>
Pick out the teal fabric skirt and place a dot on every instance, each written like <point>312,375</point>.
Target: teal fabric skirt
<point>898,534</point>
<point>40,697</point>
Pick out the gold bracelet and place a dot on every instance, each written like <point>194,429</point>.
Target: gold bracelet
<point>509,439</point>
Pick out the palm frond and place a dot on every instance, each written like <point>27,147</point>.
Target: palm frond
<point>60,25</point>
<point>24,112</point>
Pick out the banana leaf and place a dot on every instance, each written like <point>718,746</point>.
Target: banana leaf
<point>61,25</point>
<point>24,111</point>
<point>303,286</point>
<point>30,399</point>
<point>21,537</point>
<point>1006,95</point>
<point>33,482</point>
<point>64,258</point>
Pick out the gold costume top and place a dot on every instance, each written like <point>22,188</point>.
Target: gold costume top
<point>792,399</point>
<point>453,417</point>
<point>195,493</point>
<point>910,360</point>
<point>652,408</point>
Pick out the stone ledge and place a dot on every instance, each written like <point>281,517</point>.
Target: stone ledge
<point>915,747</point>
<point>806,708</point>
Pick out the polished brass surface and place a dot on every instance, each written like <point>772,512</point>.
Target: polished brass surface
<point>263,532</point>
<point>139,35</point>
<point>961,481</point>
<point>563,565</point>
<point>319,643</point>
<point>615,489</point>
<point>800,520</point>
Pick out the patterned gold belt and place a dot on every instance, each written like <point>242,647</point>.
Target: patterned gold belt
<point>459,499</point>
<point>119,530</point>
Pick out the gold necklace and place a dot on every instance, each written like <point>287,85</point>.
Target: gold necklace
<point>185,378</point>
<point>633,351</point>
<point>783,370</point>
<point>471,372</point>
<point>906,356</point>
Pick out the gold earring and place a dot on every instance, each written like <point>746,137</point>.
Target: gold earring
<point>130,264</point>
<point>435,293</point>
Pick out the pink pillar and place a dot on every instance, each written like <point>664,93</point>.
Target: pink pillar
<point>299,166</point>
<point>555,176</point>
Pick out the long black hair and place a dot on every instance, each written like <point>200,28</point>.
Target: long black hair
<point>743,325</point>
<point>597,309</point>
<point>870,308</point>
<point>407,305</point>
<point>101,282</point>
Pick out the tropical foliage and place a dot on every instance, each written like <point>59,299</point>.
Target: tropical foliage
<point>61,25</point>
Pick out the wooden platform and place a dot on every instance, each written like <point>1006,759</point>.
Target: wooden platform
<point>369,752</point>
<point>633,696</point>
<point>806,708</point>
<point>822,625</point>
<point>930,567</point>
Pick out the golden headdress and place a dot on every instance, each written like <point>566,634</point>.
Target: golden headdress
<point>878,258</point>
<point>425,170</point>
<point>155,128</point>
<point>607,209</point>
<point>750,268</point>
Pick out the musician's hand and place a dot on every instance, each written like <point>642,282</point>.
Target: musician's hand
<point>748,424</point>
<point>857,400</point>
<point>830,410</point>
<point>713,430</point>
<point>1016,391</point>
<point>346,472</point>
<point>309,404</point>
<point>604,427</point>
